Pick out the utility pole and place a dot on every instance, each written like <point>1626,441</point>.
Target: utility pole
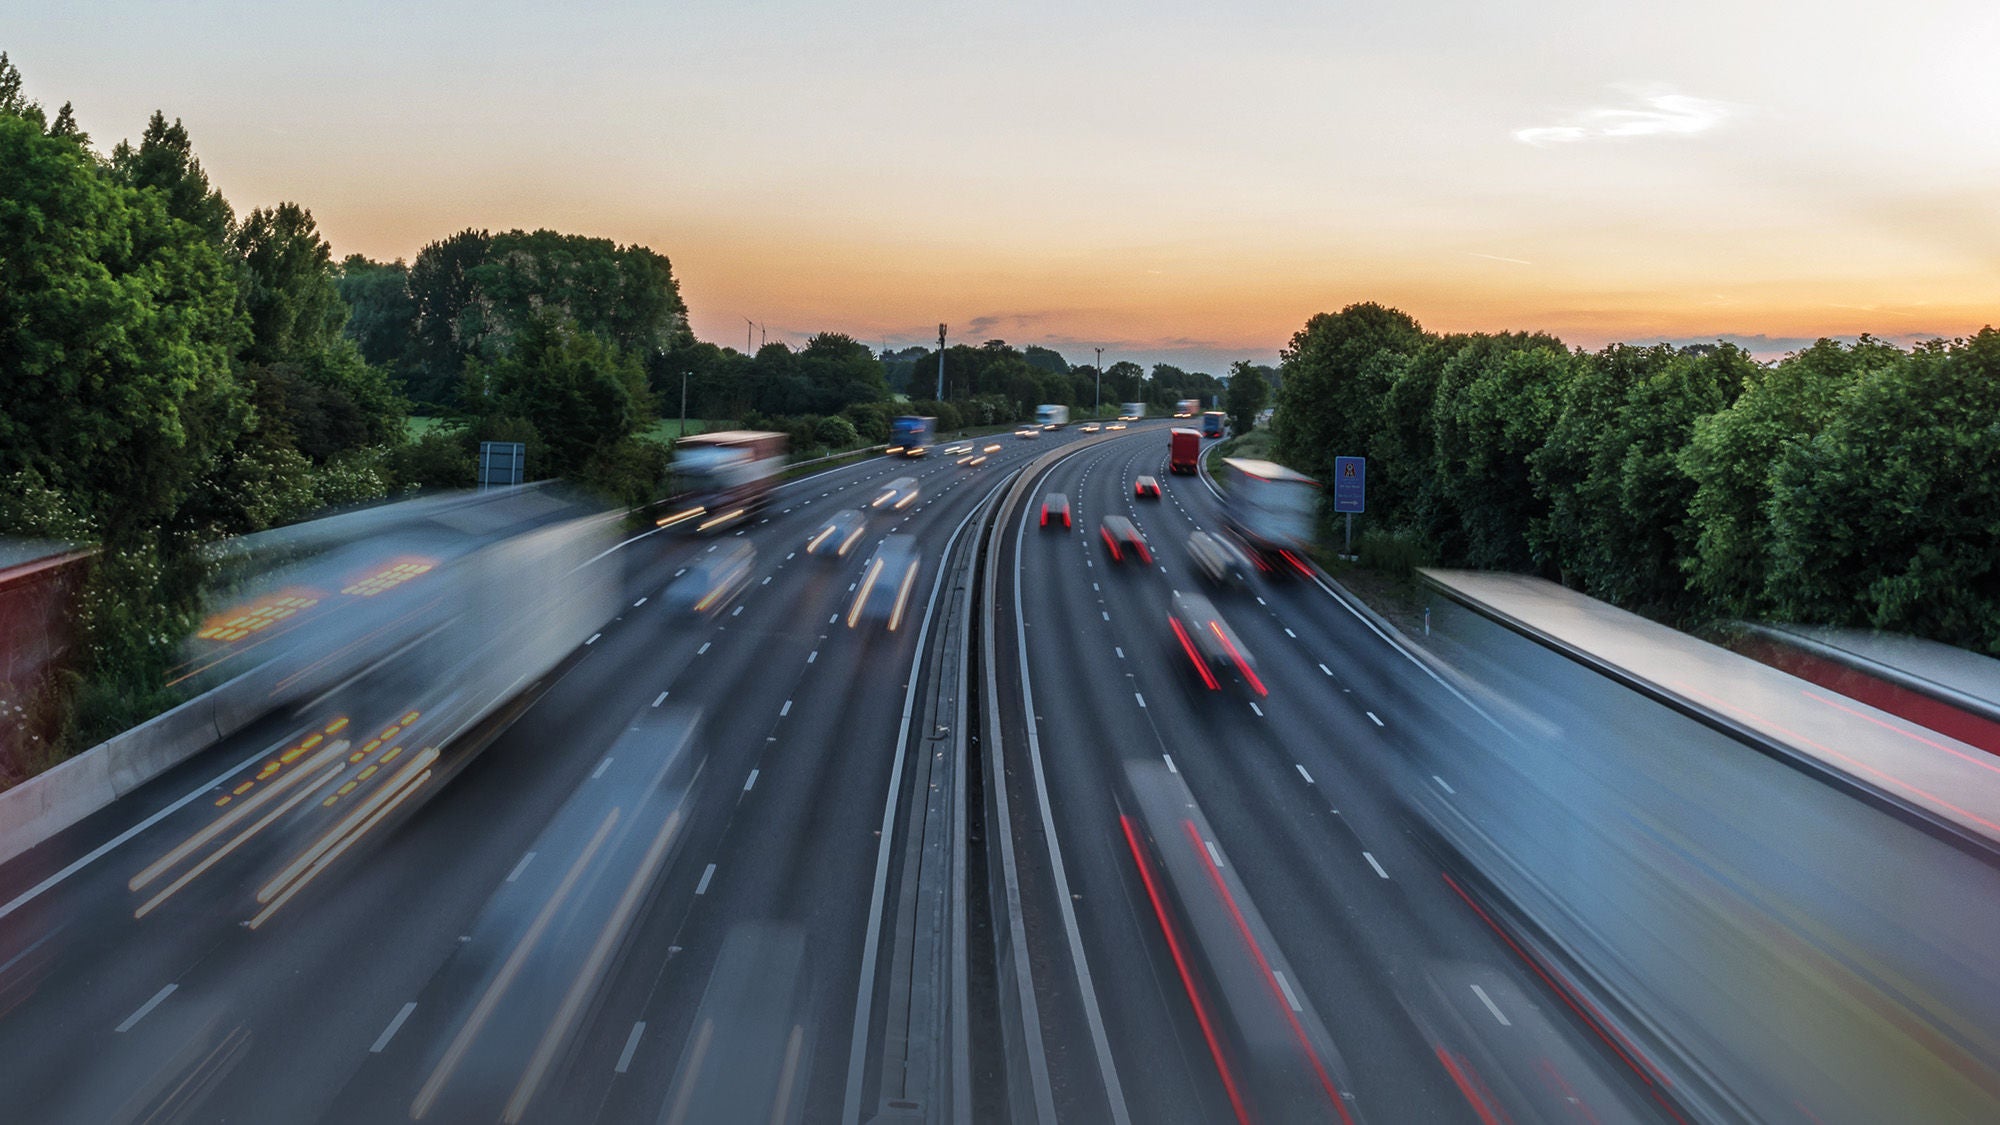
<point>748,324</point>
<point>1100,381</point>
<point>763,337</point>
<point>940,393</point>
<point>684,402</point>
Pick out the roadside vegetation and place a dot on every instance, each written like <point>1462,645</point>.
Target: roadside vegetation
<point>1846,484</point>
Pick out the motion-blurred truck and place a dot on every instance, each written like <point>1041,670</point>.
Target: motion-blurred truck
<point>1187,408</point>
<point>1183,449</point>
<point>1050,416</point>
<point>910,435</point>
<point>1271,509</point>
<point>1131,411</point>
<point>728,475</point>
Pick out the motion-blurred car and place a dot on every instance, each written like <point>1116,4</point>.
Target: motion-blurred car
<point>1030,432</point>
<point>1219,560</point>
<point>1123,539</point>
<point>1090,427</point>
<point>1055,507</point>
<point>882,597</point>
<point>1115,426</point>
<point>714,578</point>
<point>899,493</point>
<point>1211,646</point>
<point>838,535</point>
<point>1146,488</point>
<point>990,447</point>
<point>955,450</point>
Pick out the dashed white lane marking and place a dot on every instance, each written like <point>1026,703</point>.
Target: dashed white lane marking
<point>395,1025</point>
<point>788,558</point>
<point>1303,773</point>
<point>132,1020</point>
<point>601,767</point>
<point>1259,710</point>
<point>661,698</point>
<point>737,612</point>
<point>1371,715</point>
<point>520,867</point>
<point>1370,857</point>
<point>786,709</point>
<point>750,782</point>
<point>637,604</point>
<point>1213,853</point>
<point>833,619</point>
<point>1105,614</point>
<point>593,638</point>
<point>1171,767</point>
<point>767,580</point>
<point>1140,698</point>
<point>1447,787</point>
<point>812,656</point>
<point>1291,997</point>
<point>1326,669</point>
<point>1261,601</point>
<point>704,648</point>
<point>1119,650</point>
<point>631,1047</point>
<point>1094,586</point>
<point>682,570</point>
<point>1291,634</point>
<point>701,888</point>
<point>1491,1006</point>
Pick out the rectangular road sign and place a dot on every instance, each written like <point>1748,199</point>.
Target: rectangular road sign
<point>1350,484</point>
<point>501,463</point>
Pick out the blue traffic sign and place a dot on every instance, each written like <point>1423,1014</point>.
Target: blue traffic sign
<point>1350,484</point>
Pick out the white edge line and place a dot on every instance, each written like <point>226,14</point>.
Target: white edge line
<point>701,888</point>
<point>132,1020</point>
<point>1492,1007</point>
<point>631,1047</point>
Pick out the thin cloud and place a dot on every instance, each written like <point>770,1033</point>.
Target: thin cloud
<point>1498,258</point>
<point>1653,115</point>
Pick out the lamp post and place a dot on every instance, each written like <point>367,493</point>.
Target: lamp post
<point>1100,382</point>
<point>940,391</point>
<point>684,402</point>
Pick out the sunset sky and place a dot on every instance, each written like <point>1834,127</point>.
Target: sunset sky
<point>1173,181</point>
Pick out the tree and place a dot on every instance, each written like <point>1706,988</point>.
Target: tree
<point>380,310</point>
<point>1495,400</point>
<point>118,325</point>
<point>1731,454</point>
<point>1889,516</point>
<point>1336,370</point>
<point>165,162</point>
<point>580,393</point>
<point>449,324</point>
<point>1248,390</point>
<point>288,288</point>
<point>1045,359</point>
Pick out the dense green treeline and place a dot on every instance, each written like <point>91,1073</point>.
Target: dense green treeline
<point>1847,484</point>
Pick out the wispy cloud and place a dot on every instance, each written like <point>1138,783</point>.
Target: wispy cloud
<point>1498,258</point>
<point>1658,114</point>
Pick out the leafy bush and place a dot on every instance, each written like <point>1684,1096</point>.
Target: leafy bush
<point>836,432</point>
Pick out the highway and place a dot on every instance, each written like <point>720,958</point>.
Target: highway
<point>1013,860</point>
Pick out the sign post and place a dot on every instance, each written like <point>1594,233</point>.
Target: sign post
<point>1350,491</point>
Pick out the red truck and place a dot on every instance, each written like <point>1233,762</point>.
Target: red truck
<point>1183,449</point>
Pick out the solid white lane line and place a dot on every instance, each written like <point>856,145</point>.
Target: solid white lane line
<point>631,1047</point>
<point>520,867</point>
<point>704,648</point>
<point>395,1025</point>
<point>786,709</point>
<point>662,699</point>
<point>1369,856</point>
<point>1378,722</point>
<point>1171,767</point>
<point>1303,773</point>
<point>1491,1006</point>
<point>1213,853</point>
<point>1446,786</point>
<point>132,1020</point>
<point>701,888</point>
<point>750,782</point>
<point>1259,710</point>
<point>1291,997</point>
<point>601,767</point>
